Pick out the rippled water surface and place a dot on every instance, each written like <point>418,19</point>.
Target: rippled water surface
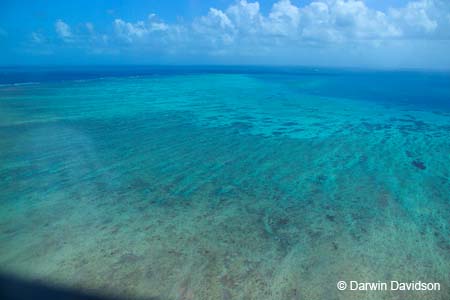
<point>226,183</point>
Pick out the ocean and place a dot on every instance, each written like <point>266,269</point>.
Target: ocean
<point>225,182</point>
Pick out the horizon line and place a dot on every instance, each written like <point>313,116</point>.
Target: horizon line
<point>181,65</point>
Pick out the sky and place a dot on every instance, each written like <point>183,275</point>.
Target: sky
<point>352,33</point>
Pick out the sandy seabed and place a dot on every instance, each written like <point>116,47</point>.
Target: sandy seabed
<point>153,202</point>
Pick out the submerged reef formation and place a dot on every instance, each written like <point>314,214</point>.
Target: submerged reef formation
<point>180,195</point>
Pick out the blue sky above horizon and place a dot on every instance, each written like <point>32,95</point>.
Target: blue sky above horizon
<point>370,33</point>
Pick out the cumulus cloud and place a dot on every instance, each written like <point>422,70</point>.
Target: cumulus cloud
<point>246,16</point>
<point>37,38</point>
<point>139,30</point>
<point>284,19</point>
<point>329,21</point>
<point>417,16</point>
<point>63,30</point>
<point>217,26</point>
<point>343,21</point>
<point>424,18</point>
<point>319,22</point>
<point>242,29</point>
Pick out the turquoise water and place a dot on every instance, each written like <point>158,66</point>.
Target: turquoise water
<point>226,183</point>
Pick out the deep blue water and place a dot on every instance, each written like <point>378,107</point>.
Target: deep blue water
<point>421,88</point>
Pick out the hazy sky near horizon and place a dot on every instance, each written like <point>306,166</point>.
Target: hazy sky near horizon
<point>370,33</point>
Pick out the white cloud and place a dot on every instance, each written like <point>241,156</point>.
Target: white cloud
<point>343,21</point>
<point>218,18</point>
<point>155,24</point>
<point>139,30</point>
<point>216,27</point>
<point>322,22</point>
<point>246,16</point>
<point>319,23</point>
<point>243,30</point>
<point>37,38</point>
<point>424,18</point>
<point>129,31</point>
<point>63,30</point>
<point>284,19</point>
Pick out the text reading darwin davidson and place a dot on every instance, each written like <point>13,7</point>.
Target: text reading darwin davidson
<point>393,285</point>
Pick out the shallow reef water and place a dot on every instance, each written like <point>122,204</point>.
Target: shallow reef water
<point>229,185</point>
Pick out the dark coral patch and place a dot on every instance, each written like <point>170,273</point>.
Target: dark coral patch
<point>321,178</point>
<point>409,153</point>
<point>290,124</point>
<point>331,218</point>
<point>418,164</point>
<point>246,118</point>
<point>376,126</point>
<point>241,125</point>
